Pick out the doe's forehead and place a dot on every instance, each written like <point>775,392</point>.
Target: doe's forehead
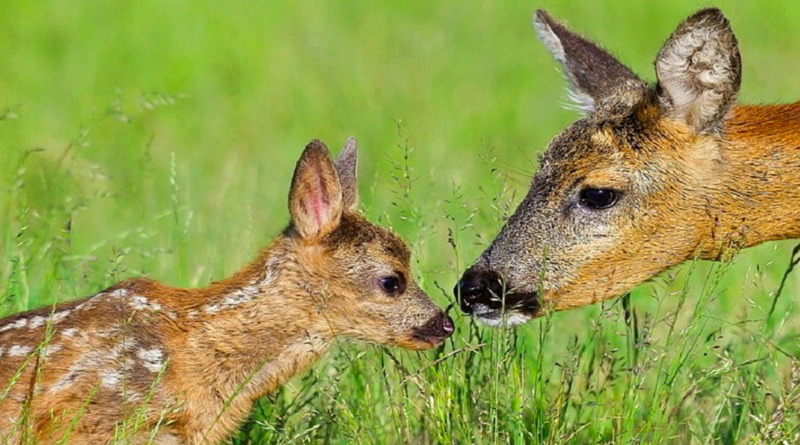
<point>588,148</point>
<point>580,138</point>
<point>595,143</point>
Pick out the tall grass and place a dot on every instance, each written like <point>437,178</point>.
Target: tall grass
<point>149,138</point>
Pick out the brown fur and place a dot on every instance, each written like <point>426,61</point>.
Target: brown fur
<point>185,365</point>
<point>695,176</point>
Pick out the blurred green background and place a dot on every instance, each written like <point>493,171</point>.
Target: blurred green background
<point>158,138</point>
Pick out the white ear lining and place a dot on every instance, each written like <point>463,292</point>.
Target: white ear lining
<point>576,99</point>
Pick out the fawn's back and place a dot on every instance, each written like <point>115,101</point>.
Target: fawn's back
<point>107,350</point>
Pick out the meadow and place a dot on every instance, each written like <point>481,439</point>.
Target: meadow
<point>158,138</point>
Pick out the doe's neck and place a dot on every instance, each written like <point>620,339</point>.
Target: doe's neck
<point>755,198</point>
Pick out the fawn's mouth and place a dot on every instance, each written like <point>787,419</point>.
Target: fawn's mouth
<point>435,330</point>
<point>429,339</point>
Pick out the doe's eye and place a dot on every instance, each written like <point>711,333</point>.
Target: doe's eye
<point>598,199</point>
<point>392,284</point>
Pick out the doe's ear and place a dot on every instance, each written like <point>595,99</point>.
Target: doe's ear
<point>346,164</point>
<point>595,76</point>
<point>699,71</point>
<point>315,199</point>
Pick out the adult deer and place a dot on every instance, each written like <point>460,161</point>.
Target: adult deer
<point>650,177</point>
<point>143,362</point>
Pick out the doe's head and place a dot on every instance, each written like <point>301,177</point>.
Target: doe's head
<point>622,193</point>
<point>360,272</point>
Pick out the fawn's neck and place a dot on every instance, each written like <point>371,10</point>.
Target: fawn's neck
<point>251,334</point>
<point>756,199</point>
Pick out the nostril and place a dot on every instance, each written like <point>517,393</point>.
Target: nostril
<point>469,288</point>
<point>447,325</point>
<point>494,282</point>
<point>479,288</point>
<point>477,285</point>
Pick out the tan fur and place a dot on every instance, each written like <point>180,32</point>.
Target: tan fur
<point>696,177</point>
<point>143,359</point>
<point>735,192</point>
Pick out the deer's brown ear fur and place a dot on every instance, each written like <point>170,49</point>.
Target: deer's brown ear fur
<point>596,79</point>
<point>346,164</point>
<point>699,71</point>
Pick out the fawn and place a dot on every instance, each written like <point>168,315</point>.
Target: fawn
<point>650,177</point>
<point>152,363</point>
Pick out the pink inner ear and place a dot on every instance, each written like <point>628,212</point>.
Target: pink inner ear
<point>316,203</point>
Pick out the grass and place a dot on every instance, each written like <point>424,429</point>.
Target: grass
<point>152,138</point>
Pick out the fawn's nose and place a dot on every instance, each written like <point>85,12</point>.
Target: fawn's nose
<point>447,324</point>
<point>436,329</point>
<point>479,287</point>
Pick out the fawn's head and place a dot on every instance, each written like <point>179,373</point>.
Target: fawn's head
<point>622,193</point>
<point>358,272</point>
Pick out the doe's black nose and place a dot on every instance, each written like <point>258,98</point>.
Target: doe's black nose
<point>479,287</point>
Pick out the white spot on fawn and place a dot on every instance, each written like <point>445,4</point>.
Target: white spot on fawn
<point>233,299</point>
<point>119,293</point>
<point>40,320</point>
<point>108,333</point>
<point>69,332</point>
<point>141,303</point>
<point>19,351</point>
<point>153,359</point>
<point>100,362</point>
<point>58,316</point>
<point>110,379</point>
<point>51,349</point>
<point>15,325</point>
<point>242,295</point>
<point>36,322</point>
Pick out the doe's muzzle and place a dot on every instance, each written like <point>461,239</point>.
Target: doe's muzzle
<point>480,287</point>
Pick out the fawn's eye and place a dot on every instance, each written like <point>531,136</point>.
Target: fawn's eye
<point>598,199</point>
<point>393,284</point>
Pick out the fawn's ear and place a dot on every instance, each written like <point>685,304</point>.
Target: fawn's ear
<point>315,200</point>
<point>699,71</point>
<point>595,77</point>
<point>346,164</point>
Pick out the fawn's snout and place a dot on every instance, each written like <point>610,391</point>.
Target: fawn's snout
<point>361,272</point>
<point>435,330</point>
